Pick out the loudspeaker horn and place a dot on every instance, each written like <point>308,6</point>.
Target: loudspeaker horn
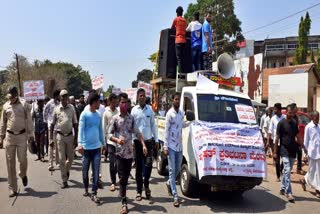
<point>225,66</point>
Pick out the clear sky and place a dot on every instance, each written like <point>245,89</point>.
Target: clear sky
<point>115,37</point>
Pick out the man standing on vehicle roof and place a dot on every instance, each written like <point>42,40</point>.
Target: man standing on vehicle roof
<point>173,145</point>
<point>207,43</point>
<point>287,133</point>
<point>195,27</point>
<point>277,117</point>
<point>180,24</point>
<point>145,121</point>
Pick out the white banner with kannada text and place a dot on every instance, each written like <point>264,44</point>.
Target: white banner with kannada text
<point>97,82</point>
<point>33,89</point>
<point>228,149</point>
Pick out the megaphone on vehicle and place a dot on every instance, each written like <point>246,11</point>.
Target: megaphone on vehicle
<point>225,66</point>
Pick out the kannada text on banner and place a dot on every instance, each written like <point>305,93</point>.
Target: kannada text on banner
<point>228,149</point>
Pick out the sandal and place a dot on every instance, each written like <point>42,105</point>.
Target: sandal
<point>303,184</point>
<point>138,197</point>
<point>124,209</point>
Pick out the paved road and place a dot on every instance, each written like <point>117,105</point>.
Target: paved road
<point>43,195</point>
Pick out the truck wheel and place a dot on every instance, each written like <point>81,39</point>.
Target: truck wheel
<point>187,184</point>
<point>162,165</point>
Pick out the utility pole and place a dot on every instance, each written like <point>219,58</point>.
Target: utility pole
<point>18,72</point>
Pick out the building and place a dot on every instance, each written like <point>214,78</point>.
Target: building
<point>292,84</point>
<point>280,52</point>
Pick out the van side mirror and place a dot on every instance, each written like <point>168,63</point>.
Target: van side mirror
<point>190,115</point>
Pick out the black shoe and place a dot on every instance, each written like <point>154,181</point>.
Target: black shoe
<point>86,193</point>
<point>148,193</point>
<point>12,194</point>
<point>64,185</point>
<point>176,202</point>
<point>68,175</point>
<point>100,184</point>
<point>169,189</point>
<point>25,181</point>
<point>282,192</point>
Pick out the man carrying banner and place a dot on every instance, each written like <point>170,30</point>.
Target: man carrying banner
<point>173,145</point>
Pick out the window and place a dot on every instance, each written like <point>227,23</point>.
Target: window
<point>279,47</point>
<point>188,103</point>
<point>220,108</point>
<point>291,46</point>
<point>313,45</point>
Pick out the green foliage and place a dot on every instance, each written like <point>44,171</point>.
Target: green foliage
<point>145,75</point>
<point>312,60</point>
<point>107,93</point>
<point>225,24</point>
<point>303,33</point>
<point>153,57</point>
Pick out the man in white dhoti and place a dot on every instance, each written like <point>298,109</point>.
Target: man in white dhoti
<point>312,149</point>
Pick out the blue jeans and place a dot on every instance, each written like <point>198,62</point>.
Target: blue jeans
<point>286,180</point>
<point>196,58</point>
<point>93,157</point>
<point>174,161</point>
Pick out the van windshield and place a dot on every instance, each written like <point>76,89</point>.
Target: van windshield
<point>227,109</point>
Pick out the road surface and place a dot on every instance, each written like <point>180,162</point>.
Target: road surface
<point>43,195</point>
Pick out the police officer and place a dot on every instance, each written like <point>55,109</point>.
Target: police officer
<point>15,129</point>
<point>64,116</point>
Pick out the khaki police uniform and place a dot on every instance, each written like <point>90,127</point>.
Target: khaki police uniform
<point>15,128</point>
<point>65,118</point>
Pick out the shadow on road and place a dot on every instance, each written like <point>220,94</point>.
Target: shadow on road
<point>253,201</point>
<point>33,193</point>
<point>141,208</point>
<point>3,179</point>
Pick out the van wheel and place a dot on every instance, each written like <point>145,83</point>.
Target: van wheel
<point>187,184</point>
<point>162,165</point>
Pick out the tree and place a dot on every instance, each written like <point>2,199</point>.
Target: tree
<point>312,60</point>
<point>303,34</point>
<point>225,24</point>
<point>109,91</point>
<point>145,75</point>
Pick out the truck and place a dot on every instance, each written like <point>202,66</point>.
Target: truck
<point>213,106</point>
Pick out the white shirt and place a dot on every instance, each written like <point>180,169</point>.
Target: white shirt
<point>262,122</point>
<point>144,120</point>
<point>273,125</point>
<point>173,130</point>
<point>106,121</point>
<point>48,112</point>
<point>266,125</point>
<point>312,140</point>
